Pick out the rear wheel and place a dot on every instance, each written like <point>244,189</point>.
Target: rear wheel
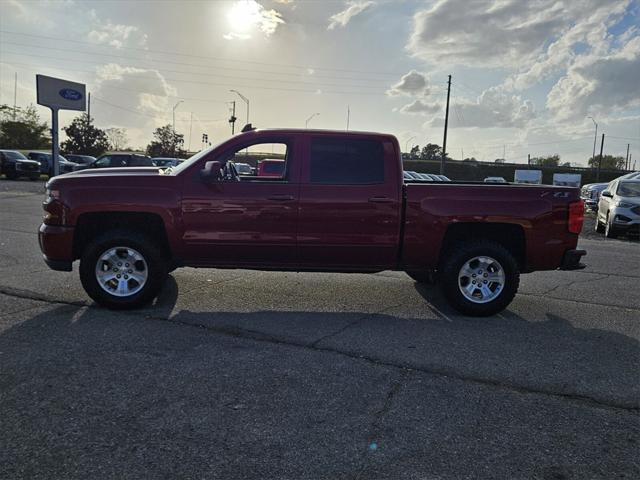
<point>122,270</point>
<point>479,278</point>
<point>11,175</point>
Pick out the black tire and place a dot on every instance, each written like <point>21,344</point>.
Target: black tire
<point>599,226</point>
<point>156,264</point>
<point>609,230</point>
<point>421,276</point>
<point>11,175</point>
<point>455,259</point>
<point>33,178</point>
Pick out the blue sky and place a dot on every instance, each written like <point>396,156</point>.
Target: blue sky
<point>526,75</point>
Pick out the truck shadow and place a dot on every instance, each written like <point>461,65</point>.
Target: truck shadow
<point>548,354</point>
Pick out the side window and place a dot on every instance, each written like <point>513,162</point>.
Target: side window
<point>337,161</point>
<point>139,161</point>
<point>261,161</point>
<point>103,162</point>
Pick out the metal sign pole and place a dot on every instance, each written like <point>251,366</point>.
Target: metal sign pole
<point>54,142</point>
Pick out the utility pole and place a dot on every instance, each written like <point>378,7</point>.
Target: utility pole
<point>600,161</point>
<point>232,119</point>
<point>528,159</point>
<point>89,106</point>
<point>245,99</point>
<point>595,139</point>
<point>446,125</point>
<point>626,162</point>
<point>348,116</point>
<point>462,151</point>
<point>15,96</point>
<point>504,152</point>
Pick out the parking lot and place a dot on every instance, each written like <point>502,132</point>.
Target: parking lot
<point>244,374</point>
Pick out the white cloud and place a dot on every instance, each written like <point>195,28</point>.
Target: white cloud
<point>245,16</point>
<point>421,107</point>
<point>505,33</point>
<point>136,93</point>
<point>413,84</point>
<point>598,83</point>
<point>115,35</point>
<point>353,8</point>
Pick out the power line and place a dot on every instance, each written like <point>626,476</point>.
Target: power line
<point>182,54</point>
<point>120,107</point>
<point>233,77</point>
<point>176,80</point>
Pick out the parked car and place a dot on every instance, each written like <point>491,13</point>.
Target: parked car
<point>244,168</point>
<point>590,194</point>
<point>46,163</point>
<point>130,228</point>
<point>271,168</point>
<point>619,208</point>
<point>116,160</point>
<point>166,162</point>
<point>83,160</point>
<point>14,165</point>
<point>495,180</point>
<point>630,176</point>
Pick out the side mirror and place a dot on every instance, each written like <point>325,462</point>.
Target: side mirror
<point>607,193</point>
<point>211,172</point>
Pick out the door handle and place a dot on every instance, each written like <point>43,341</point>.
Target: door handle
<point>381,200</point>
<point>281,198</point>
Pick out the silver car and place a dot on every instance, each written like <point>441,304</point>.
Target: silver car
<point>619,208</point>
<point>590,194</point>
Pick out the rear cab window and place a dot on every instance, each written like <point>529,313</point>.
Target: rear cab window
<point>346,161</point>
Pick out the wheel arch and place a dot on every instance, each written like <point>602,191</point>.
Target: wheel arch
<point>91,224</point>
<point>511,236</point>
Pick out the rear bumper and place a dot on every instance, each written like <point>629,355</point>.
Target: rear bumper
<point>571,260</point>
<point>56,244</point>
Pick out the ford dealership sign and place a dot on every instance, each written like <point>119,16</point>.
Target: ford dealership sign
<point>70,94</point>
<point>59,94</point>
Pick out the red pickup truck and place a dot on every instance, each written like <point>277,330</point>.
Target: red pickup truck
<point>341,205</point>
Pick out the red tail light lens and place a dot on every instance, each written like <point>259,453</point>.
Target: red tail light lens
<point>576,216</point>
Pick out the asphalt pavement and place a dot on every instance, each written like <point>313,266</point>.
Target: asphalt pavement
<point>244,374</point>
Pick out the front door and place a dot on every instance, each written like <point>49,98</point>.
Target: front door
<point>244,220</point>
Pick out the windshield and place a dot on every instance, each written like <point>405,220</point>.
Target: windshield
<point>190,161</point>
<point>14,155</point>
<point>629,189</point>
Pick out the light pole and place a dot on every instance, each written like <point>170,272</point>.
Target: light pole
<point>595,139</point>
<point>306,123</point>
<point>246,100</point>
<point>174,114</point>
<point>406,145</point>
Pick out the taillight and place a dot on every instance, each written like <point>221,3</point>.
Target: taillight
<point>576,216</point>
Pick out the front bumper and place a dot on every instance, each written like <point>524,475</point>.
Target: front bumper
<point>625,218</point>
<point>571,260</point>
<point>56,244</point>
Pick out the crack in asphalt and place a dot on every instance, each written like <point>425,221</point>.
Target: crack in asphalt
<point>378,416</point>
<point>570,284</point>
<point>434,370</point>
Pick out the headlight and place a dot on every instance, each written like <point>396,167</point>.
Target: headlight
<point>622,204</point>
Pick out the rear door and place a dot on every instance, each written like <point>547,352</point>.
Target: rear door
<point>350,203</point>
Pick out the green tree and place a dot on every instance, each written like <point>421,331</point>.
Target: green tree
<point>431,151</point>
<point>22,128</point>
<point>415,151</point>
<point>551,161</point>
<point>609,162</point>
<point>84,138</point>
<point>166,143</point>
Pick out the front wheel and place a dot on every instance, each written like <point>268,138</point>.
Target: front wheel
<point>479,278</point>
<point>122,270</point>
<point>609,230</point>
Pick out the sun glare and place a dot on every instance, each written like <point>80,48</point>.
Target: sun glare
<point>243,16</point>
